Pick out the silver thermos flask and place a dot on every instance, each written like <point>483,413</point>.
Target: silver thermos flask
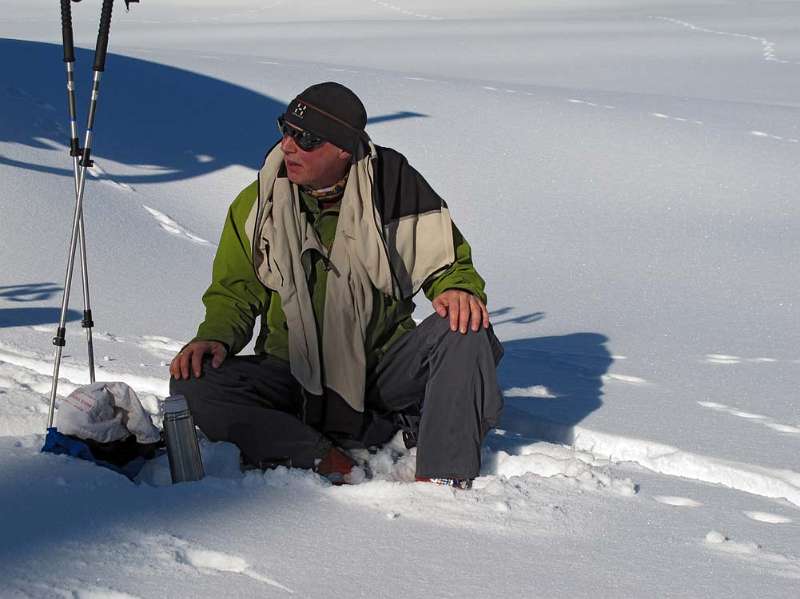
<point>182,448</point>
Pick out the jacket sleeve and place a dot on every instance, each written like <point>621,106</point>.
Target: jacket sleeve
<point>235,296</point>
<point>461,274</point>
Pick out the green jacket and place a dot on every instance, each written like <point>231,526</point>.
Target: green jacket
<point>236,297</point>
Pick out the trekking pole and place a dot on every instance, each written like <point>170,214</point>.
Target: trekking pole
<point>81,161</point>
<point>76,153</point>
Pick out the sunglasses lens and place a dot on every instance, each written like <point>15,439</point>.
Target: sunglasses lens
<point>305,140</point>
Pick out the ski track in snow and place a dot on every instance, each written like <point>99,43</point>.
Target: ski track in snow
<point>767,47</point>
<point>673,461</point>
<point>405,11</point>
<point>775,137</point>
<point>585,102</point>
<point>67,590</point>
<point>410,78</point>
<point>35,371</point>
<point>661,115</point>
<point>778,564</point>
<point>571,100</point>
<point>245,15</point>
<point>750,416</point>
<point>100,174</point>
<point>20,94</point>
<point>161,346</point>
<point>657,115</point>
<point>157,345</point>
<point>172,555</point>
<point>96,171</point>
<point>44,123</point>
<point>173,228</point>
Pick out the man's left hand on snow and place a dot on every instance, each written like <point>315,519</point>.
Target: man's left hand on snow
<point>464,310</point>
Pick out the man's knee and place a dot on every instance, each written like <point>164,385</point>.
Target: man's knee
<point>189,388</point>
<point>198,391</point>
<point>482,340</point>
<point>194,385</point>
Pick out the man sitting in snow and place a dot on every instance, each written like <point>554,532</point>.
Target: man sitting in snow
<point>328,247</point>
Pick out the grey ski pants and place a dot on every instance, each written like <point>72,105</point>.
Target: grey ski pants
<point>440,383</point>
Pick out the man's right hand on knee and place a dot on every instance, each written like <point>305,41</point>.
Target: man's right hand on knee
<point>190,359</point>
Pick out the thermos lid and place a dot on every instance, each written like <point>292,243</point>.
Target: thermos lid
<point>175,403</point>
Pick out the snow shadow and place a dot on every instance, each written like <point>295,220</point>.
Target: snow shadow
<point>30,316</point>
<point>550,385</point>
<point>29,292</point>
<point>52,504</point>
<point>175,124</point>
<point>25,317</point>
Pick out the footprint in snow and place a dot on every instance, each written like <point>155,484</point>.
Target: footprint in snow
<point>588,103</point>
<point>722,359</point>
<point>624,378</point>
<point>84,592</point>
<point>765,135</point>
<point>50,126</point>
<point>173,228</point>
<point>760,418</point>
<point>16,92</point>
<point>727,359</point>
<point>161,345</point>
<point>786,566</point>
<point>680,119</point>
<point>768,518</point>
<point>677,501</point>
<point>783,428</point>
<point>21,94</point>
<point>101,593</point>
<point>99,173</point>
<point>207,559</point>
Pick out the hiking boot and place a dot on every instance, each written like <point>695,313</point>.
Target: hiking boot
<point>456,483</point>
<point>336,466</point>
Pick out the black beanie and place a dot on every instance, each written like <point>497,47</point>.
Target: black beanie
<point>332,112</point>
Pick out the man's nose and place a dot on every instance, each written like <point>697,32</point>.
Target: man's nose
<point>288,145</point>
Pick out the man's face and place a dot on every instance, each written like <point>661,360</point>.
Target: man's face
<point>320,167</point>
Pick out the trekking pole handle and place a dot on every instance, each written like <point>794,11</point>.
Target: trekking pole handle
<point>66,31</point>
<point>102,35</point>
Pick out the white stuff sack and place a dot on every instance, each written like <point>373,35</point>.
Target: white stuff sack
<point>105,412</point>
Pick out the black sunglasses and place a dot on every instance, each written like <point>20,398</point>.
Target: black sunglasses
<point>305,140</point>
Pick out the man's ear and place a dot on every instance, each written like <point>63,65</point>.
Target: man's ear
<point>345,155</point>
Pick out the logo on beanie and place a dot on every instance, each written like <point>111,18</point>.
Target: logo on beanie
<point>300,110</point>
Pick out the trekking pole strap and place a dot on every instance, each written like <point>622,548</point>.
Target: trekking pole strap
<point>102,35</point>
<point>66,31</point>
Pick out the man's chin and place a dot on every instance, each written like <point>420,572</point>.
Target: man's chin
<point>295,177</point>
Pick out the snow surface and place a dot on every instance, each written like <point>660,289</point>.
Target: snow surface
<point>626,172</point>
